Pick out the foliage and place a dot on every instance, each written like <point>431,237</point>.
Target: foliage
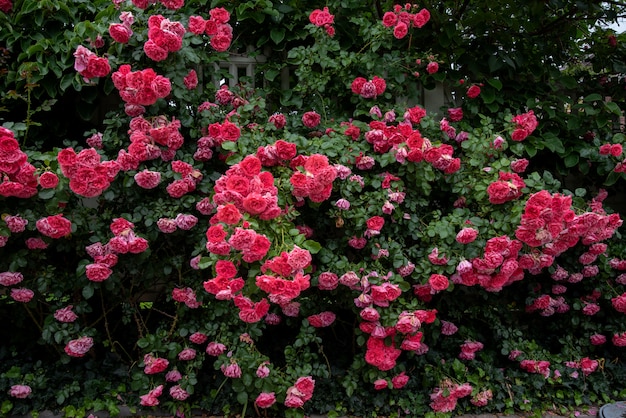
<point>330,247</point>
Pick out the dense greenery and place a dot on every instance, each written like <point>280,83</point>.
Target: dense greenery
<point>311,236</point>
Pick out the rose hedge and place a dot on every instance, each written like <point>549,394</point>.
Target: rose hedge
<point>209,250</point>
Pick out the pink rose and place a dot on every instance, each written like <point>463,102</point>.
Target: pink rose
<point>473,92</point>
<point>79,347</point>
<point>311,119</point>
<point>48,180</point>
<point>187,354</point>
<point>265,400</point>
<point>22,295</point>
<point>55,226</point>
<point>381,384</point>
<point>215,348</point>
<point>438,282</point>
<point>375,223</point>
<point>178,393</point>
<point>466,235</point>
<point>65,314</point>
<point>20,391</point>
<point>10,278</point>
<point>399,381</point>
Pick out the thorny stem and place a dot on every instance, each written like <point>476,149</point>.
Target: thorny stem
<point>30,313</point>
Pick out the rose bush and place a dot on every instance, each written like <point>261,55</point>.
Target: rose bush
<point>213,248</point>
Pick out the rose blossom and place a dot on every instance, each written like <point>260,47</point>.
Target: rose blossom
<point>466,235</point>
<point>262,371</point>
<point>311,119</point>
<point>20,391</point>
<point>265,400</point>
<point>65,314</point>
<point>48,180</point>
<point>79,347</point>
<point>187,354</point>
<point>215,348</point>
<point>173,376</point>
<point>10,278</point>
<point>232,370</point>
<point>22,295</point>
<point>178,393</point>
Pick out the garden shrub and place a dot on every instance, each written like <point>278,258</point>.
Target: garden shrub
<point>332,248</point>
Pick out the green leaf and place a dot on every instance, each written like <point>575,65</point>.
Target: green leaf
<point>613,108</point>
<point>88,291</point>
<point>277,35</point>
<point>594,97</point>
<point>312,246</point>
<point>229,145</point>
<point>495,83</point>
<point>46,194</point>
<point>571,160</point>
<point>554,144</point>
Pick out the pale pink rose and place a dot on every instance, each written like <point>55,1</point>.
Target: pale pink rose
<point>185,221</point>
<point>34,244</point>
<point>232,370</point>
<point>178,393</point>
<point>65,314</point>
<point>22,295</point>
<point>215,348</point>
<point>79,347</point>
<point>187,354</point>
<point>10,278</point>
<point>16,223</point>
<point>198,338</point>
<point>20,391</point>
<point>173,376</point>
<point>262,371</point>
<point>265,400</point>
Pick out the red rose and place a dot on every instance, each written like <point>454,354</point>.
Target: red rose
<point>438,282</point>
<point>473,92</point>
<point>220,14</point>
<point>311,119</point>
<point>48,180</point>
<point>220,43</point>
<point>375,223</point>
<point>97,272</point>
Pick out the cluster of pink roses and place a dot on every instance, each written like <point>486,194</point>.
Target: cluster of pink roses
<point>89,65</point>
<point>508,187</point>
<point>444,398</point>
<point>170,4</point>
<point>541,367</point>
<point>323,19</point>
<point>300,392</point>
<point>216,27</point>
<point>401,19</point>
<point>106,256</point>
<point>313,177</point>
<point>22,294</point>
<point>277,153</point>
<point>164,36</point>
<point>525,124</point>
<point>140,88</point>
<point>408,144</point>
<point>497,267</point>
<point>289,279</point>
<point>188,181</point>
<point>252,245</point>
<point>151,139</point>
<point>121,32</point>
<point>249,189</point>
<point>89,176</point>
<point>369,89</point>
<point>18,178</point>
